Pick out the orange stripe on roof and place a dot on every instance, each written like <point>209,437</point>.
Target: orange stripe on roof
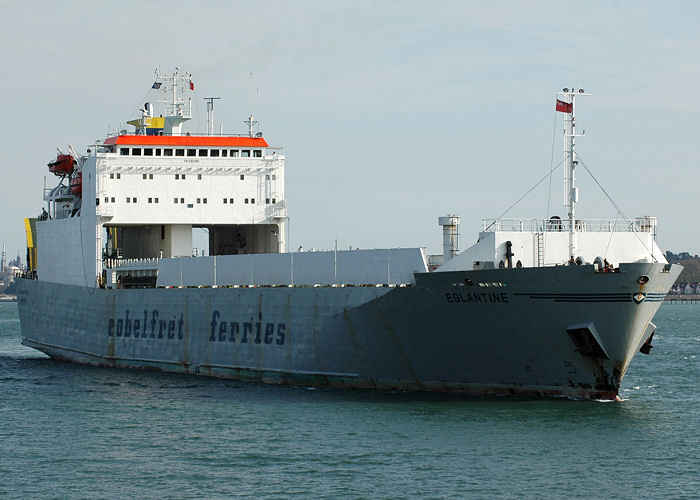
<point>186,140</point>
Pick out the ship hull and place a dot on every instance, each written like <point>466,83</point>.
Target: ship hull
<point>560,331</point>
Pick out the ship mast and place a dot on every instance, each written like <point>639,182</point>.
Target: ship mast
<point>177,114</point>
<point>571,191</point>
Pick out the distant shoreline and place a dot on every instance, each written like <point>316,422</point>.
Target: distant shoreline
<point>690,299</point>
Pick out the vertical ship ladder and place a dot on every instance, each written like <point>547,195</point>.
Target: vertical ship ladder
<point>539,249</point>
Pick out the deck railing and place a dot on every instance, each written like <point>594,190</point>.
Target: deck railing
<point>135,264</point>
<point>641,224</point>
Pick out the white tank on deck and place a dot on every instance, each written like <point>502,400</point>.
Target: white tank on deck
<point>450,236</point>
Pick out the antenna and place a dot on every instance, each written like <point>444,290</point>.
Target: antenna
<point>250,93</point>
<point>251,121</point>
<point>210,114</point>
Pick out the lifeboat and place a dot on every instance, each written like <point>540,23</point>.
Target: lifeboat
<point>62,165</point>
<point>76,183</point>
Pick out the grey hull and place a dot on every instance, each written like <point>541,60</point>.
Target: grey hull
<point>509,331</point>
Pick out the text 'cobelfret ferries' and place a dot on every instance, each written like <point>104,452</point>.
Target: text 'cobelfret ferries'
<point>153,326</point>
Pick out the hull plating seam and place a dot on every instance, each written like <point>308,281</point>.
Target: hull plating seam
<point>276,370</point>
<point>35,344</point>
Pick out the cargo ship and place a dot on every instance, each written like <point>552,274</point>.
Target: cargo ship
<point>552,307</point>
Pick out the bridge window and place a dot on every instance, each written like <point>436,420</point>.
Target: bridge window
<point>245,153</point>
<point>124,151</point>
<point>158,152</point>
<point>257,153</point>
<point>203,152</point>
<point>224,152</point>
<point>167,152</point>
<point>179,152</point>
<point>136,151</point>
<point>214,152</point>
<point>148,152</point>
<point>191,152</point>
<point>234,153</point>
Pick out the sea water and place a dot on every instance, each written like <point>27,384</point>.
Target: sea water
<point>71,431</point>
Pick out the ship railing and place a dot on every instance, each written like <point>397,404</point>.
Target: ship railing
<point>298,285</point>
<point>62,213</point>
<point>213,134</point>
<point>278,211</point>
<point>58,191</point>
<point>641,224</point>
<point>131,264</point>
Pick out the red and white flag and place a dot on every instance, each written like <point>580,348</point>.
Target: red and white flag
<point>191,85</point>
<point>564,107</point>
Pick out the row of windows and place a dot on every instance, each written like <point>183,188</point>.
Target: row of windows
<point>129,199</point>
<point>233,153</point>
<point>227,201</point>
<point>184,176</point>
<point>182,200</point>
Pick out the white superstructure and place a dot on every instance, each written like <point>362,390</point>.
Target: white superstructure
<point>144,193</point>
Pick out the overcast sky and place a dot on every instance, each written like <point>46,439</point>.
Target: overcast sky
<point>391,113</point>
